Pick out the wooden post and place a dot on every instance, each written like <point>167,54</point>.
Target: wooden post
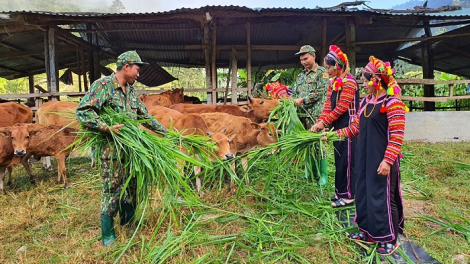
<point>89,52</point>
<point>234,77</point>
<point>53,86</point>
<point>96,58</point>
<point>350,45</point>
<point>324,47</point>
<point>83,68</point>
<point>46,58</point>
<point>214,63</point>
<point>248,58</point>
<point>31,83</point>
<point>428,68</point>
<point>79,65</point>
<point>207,59</point>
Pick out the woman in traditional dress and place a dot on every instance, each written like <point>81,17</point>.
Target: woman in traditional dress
<point>379,127</point>
<point>342,99</point>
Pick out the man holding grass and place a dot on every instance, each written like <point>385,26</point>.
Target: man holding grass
<point>310,93</point>
<point>116,92</point>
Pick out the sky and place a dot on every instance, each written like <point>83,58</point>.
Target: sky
<point>142,6</point>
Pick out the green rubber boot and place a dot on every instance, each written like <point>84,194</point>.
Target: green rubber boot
<point>323,173</point>
<point>107,230</point>
<point>126,213</point>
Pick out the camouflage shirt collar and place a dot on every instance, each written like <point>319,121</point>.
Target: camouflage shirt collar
<point>129,87</point>
<point>314,69</point>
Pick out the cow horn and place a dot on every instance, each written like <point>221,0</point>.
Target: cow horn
<point>250,98</point>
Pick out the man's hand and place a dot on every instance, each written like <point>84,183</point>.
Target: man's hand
<point>317,127</point>
<point>384,168</point>
<point>115,129</point>
<point>299,101</point>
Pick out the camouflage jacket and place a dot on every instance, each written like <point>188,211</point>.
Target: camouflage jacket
<point>312,86</point>
<point>106,92</point>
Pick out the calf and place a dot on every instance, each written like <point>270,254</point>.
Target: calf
<point>7,158</point>
<point>193,124</point>
<point>257,110</point>
<point>246,134</point>
<point>41,141</point>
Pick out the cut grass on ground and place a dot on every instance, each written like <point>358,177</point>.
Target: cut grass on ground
<point>291,222</point>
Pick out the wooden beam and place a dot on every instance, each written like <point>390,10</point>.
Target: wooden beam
<point>248,57</point>
<point>19,54</point>
<point>244,47</point>
<point>106,30</point>
<point>52,62</point>
<point>324,47</point>
<point>31,83</point>
<point>234,76</point>
<point>350,30</point>
<point>214,62</point>
<point>18,28</point>
<point>427,64</point>
<point>207,60</point>
<point>443,36</point>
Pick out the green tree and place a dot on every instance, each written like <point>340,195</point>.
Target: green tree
<point>117,7</point>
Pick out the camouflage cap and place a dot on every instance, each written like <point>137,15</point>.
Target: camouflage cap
<point>129,57</point>
<point>306,49</point>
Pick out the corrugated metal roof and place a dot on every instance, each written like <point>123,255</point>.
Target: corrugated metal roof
<point>172,37</point>
<point>451,55</point>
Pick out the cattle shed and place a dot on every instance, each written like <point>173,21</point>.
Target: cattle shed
<point>222,37</point>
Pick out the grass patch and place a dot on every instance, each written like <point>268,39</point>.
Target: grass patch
<point>289,222</point>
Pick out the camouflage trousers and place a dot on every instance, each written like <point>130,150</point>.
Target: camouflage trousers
<point>113,177</point>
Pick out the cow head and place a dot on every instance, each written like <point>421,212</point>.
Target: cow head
<point>20,136</point>
<point>177,96</point>
<point>223,145</point>
<point>262,107</point>
<point>267,134</point>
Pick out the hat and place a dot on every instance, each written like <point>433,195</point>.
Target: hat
<point>382,71</point>
<point>306,49</point>
<point>129,57</point>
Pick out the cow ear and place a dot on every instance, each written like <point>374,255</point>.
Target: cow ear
<point>255,125</point>
<point>5,133</point>
<point>245,108</point>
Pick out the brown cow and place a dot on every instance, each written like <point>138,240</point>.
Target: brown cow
<point>41,141</point>
<point>12,113</point>
<point>7,158</point>
<point>246,134</point>
<point>166,99</point>
<point>193,124</point>
<point>257,110</point>
<point>58,113</point>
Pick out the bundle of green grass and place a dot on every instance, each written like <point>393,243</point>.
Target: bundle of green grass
<point>295,143</point>
<point>157,162</point>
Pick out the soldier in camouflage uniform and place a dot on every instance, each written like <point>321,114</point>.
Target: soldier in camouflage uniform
<point>115,91</point>
<point>310,93</point>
